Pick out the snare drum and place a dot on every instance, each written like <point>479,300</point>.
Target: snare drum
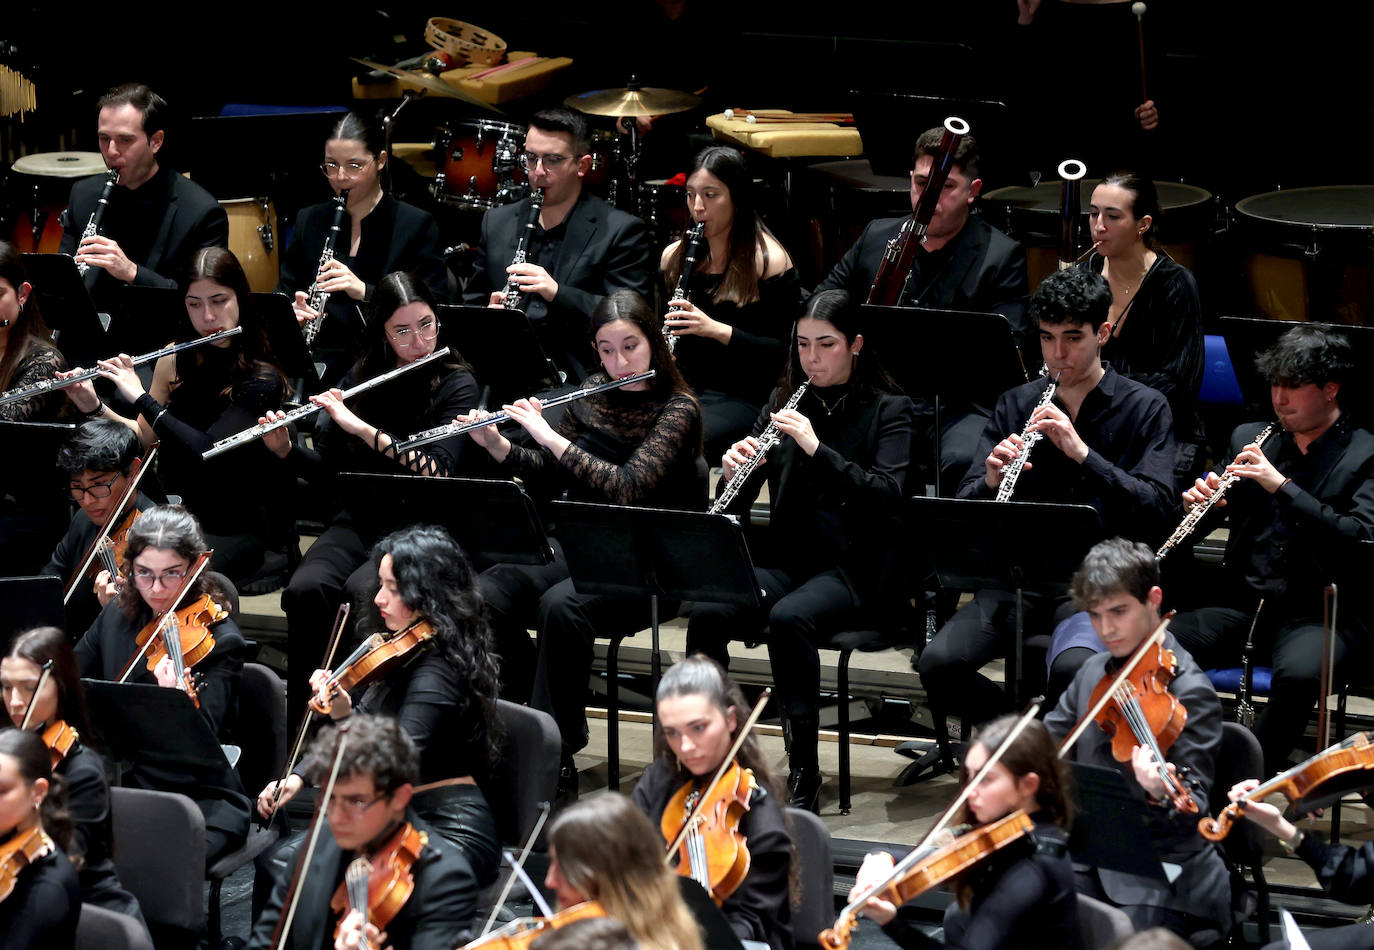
<point>38,188</point>
<point>481,163</point>
<point>253,237</point>
<point>1031,215</point>
<point>1309,252</point>
<point>664,210</point>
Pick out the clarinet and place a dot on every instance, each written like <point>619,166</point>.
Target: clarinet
<point>1199,511</point>
<point>695,235</point>
<point>767,439</point>
<point>1012,470</point>
<point>317,299</point>
<point>512,292</point>
<point>93,225</point>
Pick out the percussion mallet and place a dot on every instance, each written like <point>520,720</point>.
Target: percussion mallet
<point>1138,8</point>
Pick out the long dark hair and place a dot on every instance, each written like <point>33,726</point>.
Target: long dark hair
<point>435,579</point>
<point>38,645</point>
<point>394,291</point>
<point>740,279</point>
<point>29,332</point>
<point>166,528</point>
<point>631,307</point>
<point>251,348</point>
<point>35,762</point>
<point>1145,200</point>
<point>836,309</point>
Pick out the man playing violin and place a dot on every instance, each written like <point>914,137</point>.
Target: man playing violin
<point>369,816</point>
<point>1118,585</point>
<point>99,461</point>
<point>1299,514</point>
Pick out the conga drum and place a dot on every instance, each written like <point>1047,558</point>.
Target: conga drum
<point>37,190</point>
<point>254,239</point>
<point>1309,252</point>
<point>1031,215</point>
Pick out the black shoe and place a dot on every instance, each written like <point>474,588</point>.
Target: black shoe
<point>804,789</point>
<point>567,782</point>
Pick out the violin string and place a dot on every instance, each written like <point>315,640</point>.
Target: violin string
<point>1130,706</point>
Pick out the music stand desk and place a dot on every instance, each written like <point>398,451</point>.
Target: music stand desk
<point>153,726</point>
<point>1109,826</point>
<point>502,348</point>
<point>66,305</point>
<point>28,602</point>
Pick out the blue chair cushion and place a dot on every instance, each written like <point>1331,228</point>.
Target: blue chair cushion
<point>1261,679</point>
<point>1219,383</point>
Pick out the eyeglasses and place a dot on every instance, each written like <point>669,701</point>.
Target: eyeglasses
<point>551,162</point>
<point>98,490</point>
<point>425,333</point>
<point>147,580</point>
<point>345,170</point>
<point>354,808</point>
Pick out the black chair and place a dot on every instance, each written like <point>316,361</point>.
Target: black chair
<point>261,734</point>
<point>1240,757</point>
<point>526,775</point>
<point>846,642</point>
<point>1100,925</point>
<point>815,911</point>
<point>159,852</point>
<point>101,929</point>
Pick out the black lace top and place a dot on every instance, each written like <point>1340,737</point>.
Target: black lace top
<point>40,363</point>
<point>628,448</point>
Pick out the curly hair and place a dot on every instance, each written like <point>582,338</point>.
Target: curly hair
<point>377,747</point>
<point>1073,296</point>
<point>165,528</point>
<point>1308,354</point>
<point>35,762</point>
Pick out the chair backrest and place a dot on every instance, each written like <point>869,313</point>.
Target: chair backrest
<point>1239,757</point>
<point>260,730</point>
<point>816,910</point>
<point>1100,925</point>
<point>231,593</point>
<point>159,852</point>
<point>101,929</point>
<point>526,773</point>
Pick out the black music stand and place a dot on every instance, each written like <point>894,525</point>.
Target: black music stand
<point>149,318</point>
<point>896,334</point>
<point>494,521</point>
<point>1109,826</point>
<point>653,552</point>
<point>27,602</point>
<point>146,725</point>
<point>275,314</point>
<point>502,349</point>
<point>67,308</point>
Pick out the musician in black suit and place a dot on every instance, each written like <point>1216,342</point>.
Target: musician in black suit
<point>1304,502</point>
<point>580,251</point>
<point>963,264</point>
<point>369,808</point>
<point>156,219</point>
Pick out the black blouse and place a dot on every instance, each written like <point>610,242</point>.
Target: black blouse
<point>42,911</point>
<point>42,362</point>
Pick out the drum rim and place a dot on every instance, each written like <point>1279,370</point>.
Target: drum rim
<point>482,123</point>
<point>95,159</point>
<point>1202,195</point>
<point>1303,225</point>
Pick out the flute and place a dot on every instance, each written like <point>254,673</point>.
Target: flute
<point>253,433</point>
<point>49,385</point>
<point>496,418</point>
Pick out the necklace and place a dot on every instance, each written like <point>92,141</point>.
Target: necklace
<point>830,408</point>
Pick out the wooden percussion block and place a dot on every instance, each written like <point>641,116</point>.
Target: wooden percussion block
<point>786,139</point>
<point>511,83</point>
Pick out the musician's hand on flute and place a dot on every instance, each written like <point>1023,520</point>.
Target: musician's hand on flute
<point>1147,115</point>
<point>1202,489</point>
<point>1261,813</point>
<point>268,799</point>
<point>685,319</point>
<point>877,867</point>
<point>120,371</point>
<point>81,394</point>
<point>278,441</point>
<point>335,278</point>
<point>106,589</point>
<point>738,455</point>
<point>496,444</point>
<point>1055,425</point>
<point>1253,464</point>
<point>301,307</point>
<point>331,401</point>
<point>533,279</point>
<point>793,423</point>
<point>529,414</point>
<point>1002,453</point>
<point>100,251</point>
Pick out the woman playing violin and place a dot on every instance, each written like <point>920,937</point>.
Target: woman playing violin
<point>41,899</point>
<point>444,698</point>
<point>370,815</point>
<point>1021,895</point>
<point>162,546</point>
<point>603,849</point>
<point>57,712</point>
<point>1118,585</point>
<point>700,712</point>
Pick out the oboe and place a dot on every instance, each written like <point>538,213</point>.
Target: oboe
<point>768,438</point>
<point>317,299</point>
<point>49,385</point>
<point>496,418</point>
<point>694,237</point>
<point>1199,510</point>
<point>1012,470</point>
<point>512,292</point>
<point>93,225</point>
<point>256,432</point>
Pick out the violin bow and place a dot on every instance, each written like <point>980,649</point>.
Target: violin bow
<point>518,866</point>
<point>197,568</point>
<point>1154,639</point>
<point>340,619</point>
<point>42,681</point>
<point>130,493</point>
<point>724,766</point>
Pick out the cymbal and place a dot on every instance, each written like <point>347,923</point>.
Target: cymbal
<point>648,100</point>
<point>426,81</point>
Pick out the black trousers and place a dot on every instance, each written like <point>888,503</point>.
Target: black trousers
<point>1292,645</point>
<point>724,421</point>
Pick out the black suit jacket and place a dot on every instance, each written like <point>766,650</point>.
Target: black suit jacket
<point>986,274</point>
<point>603,250</point>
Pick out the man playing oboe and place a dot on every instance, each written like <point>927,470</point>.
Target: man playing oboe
<point>1105,441</point>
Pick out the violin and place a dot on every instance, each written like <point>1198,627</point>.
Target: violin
<point>933,870</point>
<point>21,850</point>
<point>381,886</point>
<point>519,934</point>
<point>1351,755</point>
<point>184,637</point>
<point>59,738</point>
<point>374,658</point>
<point>713,852</point>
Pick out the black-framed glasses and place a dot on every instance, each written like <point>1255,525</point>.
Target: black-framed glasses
<point>346,169</point>
<point>98,490</point>
<point>407,336</point>
<point>551,162</point>
<point>354,808</point>
<point>145,579</point>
